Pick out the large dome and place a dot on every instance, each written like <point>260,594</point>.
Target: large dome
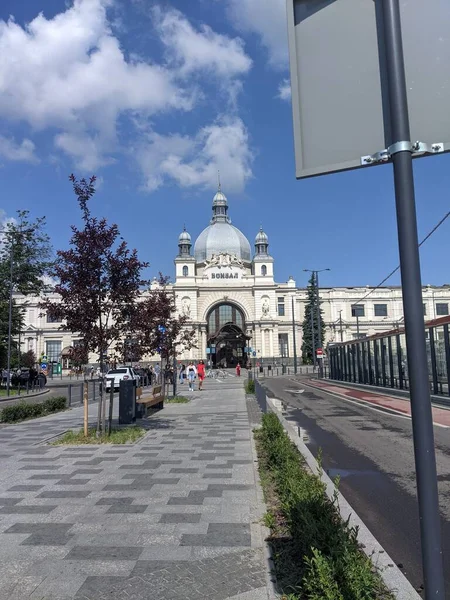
<point>221,235</point>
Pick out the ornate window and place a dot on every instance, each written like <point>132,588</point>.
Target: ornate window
<point>185,271</point>
<point>223,314</point>
<point>263,270</point>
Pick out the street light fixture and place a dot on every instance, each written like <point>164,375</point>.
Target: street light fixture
<point>315,274</point>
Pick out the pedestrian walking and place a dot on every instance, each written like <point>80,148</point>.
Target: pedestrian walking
<point>200,374</point>
<point>238,369</point>
<point>157,371</point>
<point>191,375</point>
<point>182,373</point>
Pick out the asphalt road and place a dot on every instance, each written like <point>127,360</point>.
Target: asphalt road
<point>373,454</point>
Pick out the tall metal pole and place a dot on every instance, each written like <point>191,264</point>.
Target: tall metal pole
<point>293,335</point>
<point>422,421</point>
<point>313,342</point>
<point>319,325</point>
<point>8,360</point>
<point>340,326</point>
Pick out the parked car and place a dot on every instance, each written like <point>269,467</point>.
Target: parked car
<point>20,378</point>
<point>119,374</point>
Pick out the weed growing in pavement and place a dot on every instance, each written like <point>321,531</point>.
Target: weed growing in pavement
<point>270,520</point>
<point>22,411</point>
<point>317,555</point>
<point>177,400</point>
<point>127,435</point>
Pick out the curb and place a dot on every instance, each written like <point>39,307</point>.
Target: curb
<point>393,578</point>
<point>372,405</point>
<point>24,397</point>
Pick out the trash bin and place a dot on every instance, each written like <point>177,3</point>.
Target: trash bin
<point>283,369</point>
<point>127,402</point>
<point>269,368</point>
<point>261,369</point>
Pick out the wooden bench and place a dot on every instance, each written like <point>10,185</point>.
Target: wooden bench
<point>156,399</point>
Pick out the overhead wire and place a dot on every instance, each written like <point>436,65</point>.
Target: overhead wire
<point>429,234</point>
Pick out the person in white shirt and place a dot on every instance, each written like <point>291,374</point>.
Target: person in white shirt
<point>191,372</point>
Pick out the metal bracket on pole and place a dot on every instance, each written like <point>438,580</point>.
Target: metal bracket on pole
<point>416,149</point>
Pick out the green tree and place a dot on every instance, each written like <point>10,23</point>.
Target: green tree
<point>308,327</point>
<point>25,253</point>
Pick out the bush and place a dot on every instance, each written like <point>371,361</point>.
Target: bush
<point>325,549</point>
<point>27,410</point>
<point>55,404</point>
<point>249,386</point>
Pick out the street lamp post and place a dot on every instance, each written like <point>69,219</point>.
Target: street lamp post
<point>293,335</point>
<point>8,359</point>
<point>315,274</point>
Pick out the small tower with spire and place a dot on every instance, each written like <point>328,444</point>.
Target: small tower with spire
<point>184,262</point>
<point>184,243</point>
<point>262,261</point>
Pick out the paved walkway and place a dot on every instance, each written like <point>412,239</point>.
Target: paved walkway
<point>175,516</point>
<point>441,416</point>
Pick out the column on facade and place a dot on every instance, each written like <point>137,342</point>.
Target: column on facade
<point>263,340</point>
<point>203,342</point>
<point>271,342</point>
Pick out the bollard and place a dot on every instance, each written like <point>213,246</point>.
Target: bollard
<point>69,393</point>
<point>86,409</point>
<point>111,402</point>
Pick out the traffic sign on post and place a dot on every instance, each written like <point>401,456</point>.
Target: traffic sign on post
<point>349,131</point>
<point>319,352</point>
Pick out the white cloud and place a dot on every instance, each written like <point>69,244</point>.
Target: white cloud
<point>87,151</point>
<point>266,18</point>
<point>196,50</point>
<point>284,90</point>
<point>70,73</point>
<point>191,162</point>
<point>11,150</point>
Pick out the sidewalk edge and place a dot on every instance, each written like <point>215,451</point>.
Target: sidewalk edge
<point>392,576</point>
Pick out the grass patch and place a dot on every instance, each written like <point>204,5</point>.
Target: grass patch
<point>23,411</point>
<point>249,386</point>
<point>177,400</point>
<point>118,436</point>
<point>317,555</point>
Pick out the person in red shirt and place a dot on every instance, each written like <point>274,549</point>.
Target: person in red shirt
<point>200,374</point>
<point>238,369</point>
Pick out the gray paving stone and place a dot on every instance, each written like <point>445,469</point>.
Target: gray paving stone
<point>217,475</point>
<point>183,470</point>
<point>9,501</point>
<point>180,518</point>
<point>220,534</point>
<point>104,553</point>
<point>39,467</point>
<point>25,488</point>
<point>26,510</point>
<point>122,509</point>
<point>64,494</point>
<point>110,501</point>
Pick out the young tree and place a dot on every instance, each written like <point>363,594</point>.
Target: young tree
<point>311,325</point>
<point>28,359</point>
<point>25,260</point>
<point>98,283</point>
<point>156,327</point>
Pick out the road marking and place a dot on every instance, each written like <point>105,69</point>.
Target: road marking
<point>295,391</point>
<point>370,406</point>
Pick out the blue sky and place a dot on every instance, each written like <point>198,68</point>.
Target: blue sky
<point>154,98</point>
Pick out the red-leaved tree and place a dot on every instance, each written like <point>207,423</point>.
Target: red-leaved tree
<point>99,281</point>
<point>157,328</point>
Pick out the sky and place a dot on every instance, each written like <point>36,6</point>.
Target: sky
<point>155,98</point>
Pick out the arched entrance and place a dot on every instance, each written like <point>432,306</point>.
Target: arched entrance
<point>226,339</point>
